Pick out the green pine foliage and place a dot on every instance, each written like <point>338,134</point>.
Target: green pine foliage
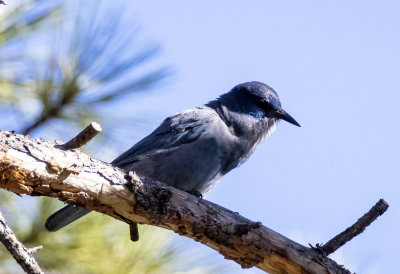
<point>61,63</point>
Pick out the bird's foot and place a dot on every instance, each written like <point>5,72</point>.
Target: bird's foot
<point>196,193</point>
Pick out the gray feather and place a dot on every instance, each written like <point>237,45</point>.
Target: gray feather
<point>174,131</point>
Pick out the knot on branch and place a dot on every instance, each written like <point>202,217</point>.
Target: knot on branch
<point>155,203</point>
<point>217,234</point>
<point>163,195</point>
<point>242,229</point>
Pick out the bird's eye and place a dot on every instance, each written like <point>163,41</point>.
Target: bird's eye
<point>266,106</point>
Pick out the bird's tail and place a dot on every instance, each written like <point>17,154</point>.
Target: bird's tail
<point>65,216</point>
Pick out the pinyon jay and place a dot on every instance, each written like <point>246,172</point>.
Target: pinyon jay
<point>193,149</point>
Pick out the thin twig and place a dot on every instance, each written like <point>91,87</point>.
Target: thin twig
<point>332,245</point>
<point>35,249</point>
<point>82,138</point>
<point>21,254</point>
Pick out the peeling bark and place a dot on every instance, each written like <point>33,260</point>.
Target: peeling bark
<point>35,167</point>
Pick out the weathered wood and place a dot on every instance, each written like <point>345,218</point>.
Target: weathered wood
<point>21,254</point>
<point>35,167</point>
<point>358,227</point>
<point>83,137</point>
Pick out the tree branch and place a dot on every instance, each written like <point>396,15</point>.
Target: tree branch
<point>339,240</point>
<point>22,255</point>
<point>35,167</point>
<point>82,138</point>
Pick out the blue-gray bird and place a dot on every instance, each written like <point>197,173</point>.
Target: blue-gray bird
<point>193,149</point>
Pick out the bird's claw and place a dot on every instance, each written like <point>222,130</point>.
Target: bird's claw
<point>196,193</point>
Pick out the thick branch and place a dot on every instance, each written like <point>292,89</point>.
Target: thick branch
<point>22,255</point>
<point>35,167</point>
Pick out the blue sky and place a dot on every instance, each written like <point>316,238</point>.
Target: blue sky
<point>335,66</point>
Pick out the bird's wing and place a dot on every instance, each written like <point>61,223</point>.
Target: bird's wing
<point>181,128</point>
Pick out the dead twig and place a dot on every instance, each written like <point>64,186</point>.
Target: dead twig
<point>21,254</point>
<point>339,240</point>
<point>82,138</point>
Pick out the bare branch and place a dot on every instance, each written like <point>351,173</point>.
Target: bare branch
<point>83,137</point>
<point>22,255</point>
<point>35,167</point>
<point>339,240</point>
<point>35,249</point>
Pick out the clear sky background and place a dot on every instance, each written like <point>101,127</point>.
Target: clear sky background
<point>335,66</point>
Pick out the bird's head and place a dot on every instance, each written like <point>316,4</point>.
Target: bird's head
<point>264,98</point>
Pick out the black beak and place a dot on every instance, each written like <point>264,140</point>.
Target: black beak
<point>281,114</point>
